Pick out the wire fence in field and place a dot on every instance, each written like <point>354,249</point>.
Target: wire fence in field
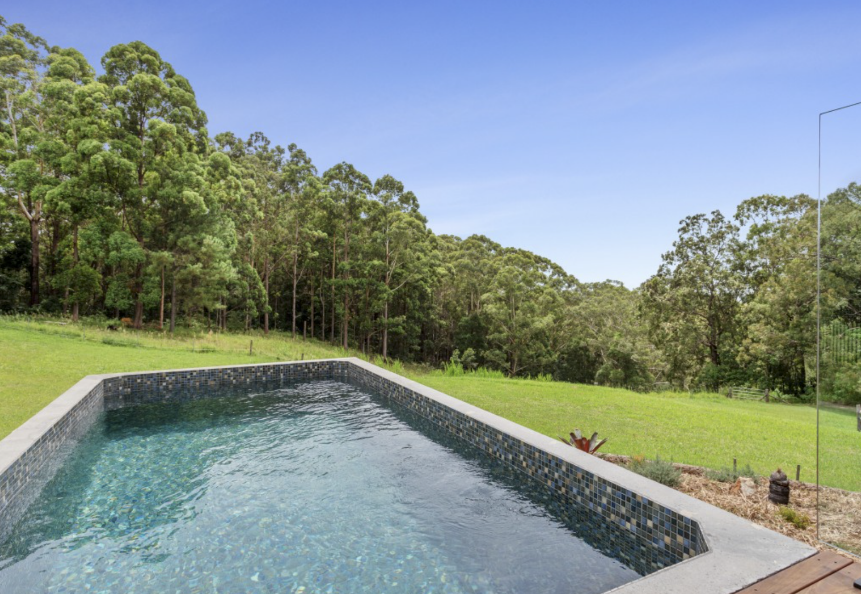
<point>841,343</point>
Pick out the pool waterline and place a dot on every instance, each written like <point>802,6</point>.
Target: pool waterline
<point>738,554</point>
<point>317,485</point>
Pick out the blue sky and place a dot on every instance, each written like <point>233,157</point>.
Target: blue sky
<point>582,131</point>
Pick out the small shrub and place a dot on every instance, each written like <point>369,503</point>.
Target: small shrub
<point>452,369</point>
<point>728,475</point>
<point>467,359</point>
<point>799,520</point>
<point>658,470</point>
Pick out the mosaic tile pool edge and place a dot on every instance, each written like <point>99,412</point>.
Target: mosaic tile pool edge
<point>21,482</point>
<point>134,388</point>
<point>673,536</point>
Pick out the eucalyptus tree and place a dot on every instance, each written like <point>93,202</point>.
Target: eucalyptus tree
<point>400,231</point>
<point>605,322</point>
<point>22,59</point>
<point>260,166</point>
<point>78,130</point>
<point>692,303</point>
<point>159,133</point>
<point>347,190</point>
<point>302,188</point>
<point>522,306</point>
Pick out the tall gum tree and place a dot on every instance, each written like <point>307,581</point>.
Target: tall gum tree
<point>348,191</point>
<point>400,232</point>
<point>302,188</point>
<point>692,303</point>
<point>22,60</point>
<point>79,130</point>
<point>156,120</point>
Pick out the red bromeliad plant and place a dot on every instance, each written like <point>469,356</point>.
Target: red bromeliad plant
<point>590,446</point>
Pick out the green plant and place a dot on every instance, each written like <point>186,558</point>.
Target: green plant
<point>485,373</point>
<point>396,367</point>
<point>799,520</point>
<point>590,446</point>
<point>451,369</point>
<point>728,475</point>
<point>657,470</point>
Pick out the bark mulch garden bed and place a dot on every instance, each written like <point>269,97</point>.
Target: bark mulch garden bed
<point>840,510</point>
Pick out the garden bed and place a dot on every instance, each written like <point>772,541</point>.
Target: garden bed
<point>841,510</point>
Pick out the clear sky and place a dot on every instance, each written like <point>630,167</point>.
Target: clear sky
<point>582,131</point>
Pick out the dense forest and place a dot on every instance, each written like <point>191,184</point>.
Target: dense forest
<point>117,202</point>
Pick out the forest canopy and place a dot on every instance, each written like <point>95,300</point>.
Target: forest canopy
<point>119,203</point>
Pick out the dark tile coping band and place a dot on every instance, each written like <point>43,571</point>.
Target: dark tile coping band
<point>722,553</point>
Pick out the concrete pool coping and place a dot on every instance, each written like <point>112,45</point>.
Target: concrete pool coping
<point>739,553</point>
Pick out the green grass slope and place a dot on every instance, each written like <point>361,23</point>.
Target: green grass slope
<point>705,430</point>
<point>38,361</point>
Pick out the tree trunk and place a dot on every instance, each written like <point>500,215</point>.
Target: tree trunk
<point>161,303</point>
<point>138,290</point>
<point>138,322</point>
<point>295,283</point>
<point>322,307</point>
<point>332,335</point>
<point>313,299</point>
<point>53,251</point>
<point>386,331</point>
<point>266,285</point>
<point>34,261</point>
<point>346,319</point>
<point>75,258</point>
<point>714,354</point>
<point>173,305</point>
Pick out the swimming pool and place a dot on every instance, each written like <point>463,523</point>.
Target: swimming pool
<point>327,476</point>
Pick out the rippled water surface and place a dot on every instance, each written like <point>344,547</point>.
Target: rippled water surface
<point>316,487</point>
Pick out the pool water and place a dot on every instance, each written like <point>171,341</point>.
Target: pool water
<point>311,487</point>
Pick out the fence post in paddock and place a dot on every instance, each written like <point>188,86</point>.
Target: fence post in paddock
<point>766,395</point>
<point>729,393</point>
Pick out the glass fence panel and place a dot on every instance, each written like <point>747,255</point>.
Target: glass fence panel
<point>838,377</point>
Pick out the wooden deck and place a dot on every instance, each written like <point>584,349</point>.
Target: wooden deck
<point>825,573</point>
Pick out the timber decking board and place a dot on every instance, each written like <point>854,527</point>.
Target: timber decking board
<point>804,574</point>
<point>837,583</point>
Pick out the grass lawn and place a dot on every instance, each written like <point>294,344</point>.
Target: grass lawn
<point>705,430</point>
<point>38,361</point>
